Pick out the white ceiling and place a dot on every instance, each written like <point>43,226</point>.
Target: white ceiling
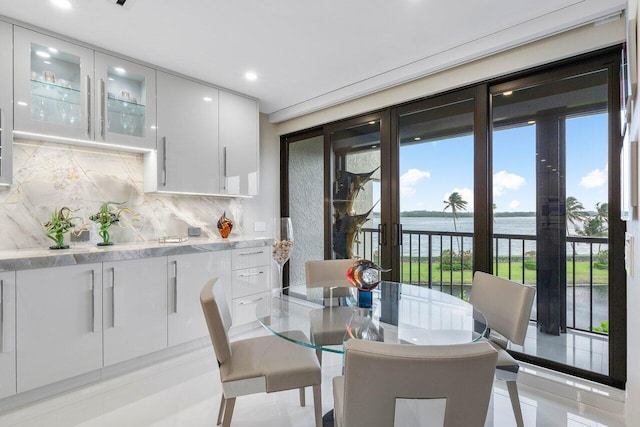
<point>308,55</point>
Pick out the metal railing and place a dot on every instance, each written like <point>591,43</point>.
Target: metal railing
<point>432,258</point>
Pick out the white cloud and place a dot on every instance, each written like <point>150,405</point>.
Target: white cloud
<point>595,178</point>
<point>410,178</point>
<point>514,204</point>
<point>504,180</point>
<point>467,195</point>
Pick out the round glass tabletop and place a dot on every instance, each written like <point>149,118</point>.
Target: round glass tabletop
<point>400,313</point>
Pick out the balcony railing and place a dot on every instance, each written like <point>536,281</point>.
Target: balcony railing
<point>432,258</point>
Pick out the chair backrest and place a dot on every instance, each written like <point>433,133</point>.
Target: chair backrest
<point>378,373</point>
<point>505,304</point>
<point>218,317</point>
<point>330,273</point>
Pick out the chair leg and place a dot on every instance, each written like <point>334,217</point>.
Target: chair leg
<point>228,411</point>
<point>319,355</point>
<point>512,387</point>
<point>221,410</point>
<point>302,399</point>
<point>317,404</point>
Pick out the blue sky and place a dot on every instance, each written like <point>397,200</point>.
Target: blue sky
<point>431,171</point>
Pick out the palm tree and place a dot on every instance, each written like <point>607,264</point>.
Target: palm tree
<point>602,212</point>
<point>575,212</point>
<point>456,203</point>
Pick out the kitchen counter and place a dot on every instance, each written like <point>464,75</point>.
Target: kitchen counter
<point>24,259</point>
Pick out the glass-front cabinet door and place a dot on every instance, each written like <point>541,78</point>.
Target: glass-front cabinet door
<point>52,86</point>
<point>125,102</point>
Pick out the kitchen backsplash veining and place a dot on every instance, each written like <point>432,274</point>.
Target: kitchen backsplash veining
<point>49,176</point>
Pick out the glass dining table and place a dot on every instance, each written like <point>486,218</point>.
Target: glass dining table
<point>400,313</point>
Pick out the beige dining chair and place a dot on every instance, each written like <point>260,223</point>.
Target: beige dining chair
<point>256,365</point>
<point>506,305</point>
<point>454,382</point>
<point>328,326</point>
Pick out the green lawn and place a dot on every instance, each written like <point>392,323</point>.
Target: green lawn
<point>411,273</point>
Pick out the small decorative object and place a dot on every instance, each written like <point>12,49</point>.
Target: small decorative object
<point>125,95</point>
<point>224,225</point>
<point>364,275</point>
<point>60,224</point>
<point>282,247</point>
<point>106,217</point>
<point>49,76</point>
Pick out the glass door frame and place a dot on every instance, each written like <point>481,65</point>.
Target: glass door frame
<point>610,60</point>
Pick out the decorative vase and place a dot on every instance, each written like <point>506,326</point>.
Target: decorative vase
<point>364,275</point>
<point>224,225</point>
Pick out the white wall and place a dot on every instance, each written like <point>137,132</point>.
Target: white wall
<point>633,284</point>
<point>564,45</point>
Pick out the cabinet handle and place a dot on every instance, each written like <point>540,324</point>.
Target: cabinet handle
<point>251,301</point>
<point>93,300</point>
<point>113,297</point>
<point>175,289</point>
<point>252,253</point>
<point>164,161</point>
<point>2,308</point>
<point>251,274</point>
<point>224,167</point>
<point>88,106</point>
<point>102,109</point>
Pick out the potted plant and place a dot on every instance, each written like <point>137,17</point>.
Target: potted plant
<point>60,224</point>
<point>106,217</point>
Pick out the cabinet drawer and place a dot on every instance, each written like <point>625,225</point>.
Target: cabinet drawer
<point>250,281</point>
<point>244,309</point>
<point>250,257</point>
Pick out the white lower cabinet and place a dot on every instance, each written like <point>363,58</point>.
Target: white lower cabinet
<point>7,334</point>
<point>187,275</point>
<point>135,308</point>
<point>58,323</point>
<point>250,282</point>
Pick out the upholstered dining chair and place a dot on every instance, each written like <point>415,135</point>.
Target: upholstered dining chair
<point>329,276</point>
<point>256,365</point>
<point>384,382</point>
<point>506,305</point>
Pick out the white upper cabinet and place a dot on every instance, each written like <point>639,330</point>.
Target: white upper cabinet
<point>239,144</point>
<point>60,95</point>
<point>126,102</point>
<point>6,106</point>
<point>187,156</point>
<point>53,85</point>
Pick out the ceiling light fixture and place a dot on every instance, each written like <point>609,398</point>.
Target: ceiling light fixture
<point>62,4</point>
<point>251,76</point>
<point>42,54</point>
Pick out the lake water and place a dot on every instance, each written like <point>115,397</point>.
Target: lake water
<point>501,225</point>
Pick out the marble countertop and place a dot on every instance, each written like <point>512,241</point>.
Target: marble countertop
<point>24,259</point>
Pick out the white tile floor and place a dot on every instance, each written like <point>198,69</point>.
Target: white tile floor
<point>185,391</point>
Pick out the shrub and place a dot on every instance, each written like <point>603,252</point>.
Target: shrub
<point>447,257</point>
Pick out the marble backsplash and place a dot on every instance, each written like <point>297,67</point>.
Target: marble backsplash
<point>48,176</point>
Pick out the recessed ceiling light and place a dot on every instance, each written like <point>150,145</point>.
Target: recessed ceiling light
<point>251,76</point>
<point>507,93</point>
<point>119,70</point>
<point>207,99</point>
<point>62,4</point>
<point>42,54</point>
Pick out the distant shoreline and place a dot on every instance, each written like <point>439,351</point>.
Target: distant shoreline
<point>441,214</point>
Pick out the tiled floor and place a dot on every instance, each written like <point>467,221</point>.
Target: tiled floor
<point>580,349</point>
<point>185,391</point>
